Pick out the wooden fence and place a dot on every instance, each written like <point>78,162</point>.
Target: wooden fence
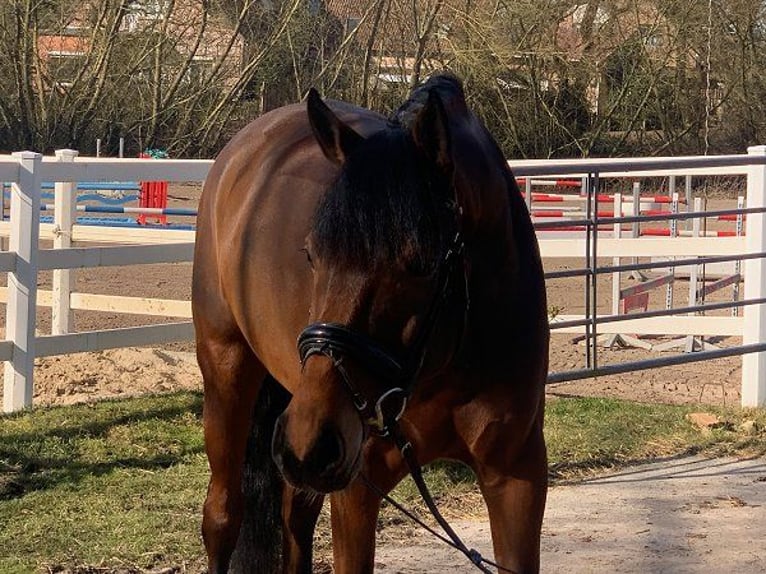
<point>24,258</point>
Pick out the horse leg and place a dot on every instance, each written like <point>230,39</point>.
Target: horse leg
<point>232,377</point>
<point>300,511</point>
<point>354,517</point>
<point>354,511</point>
<point>514,486</point>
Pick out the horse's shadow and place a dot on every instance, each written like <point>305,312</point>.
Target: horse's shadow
<point>27,467</point>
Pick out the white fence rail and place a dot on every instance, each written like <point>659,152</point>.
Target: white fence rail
<point>26,171</point>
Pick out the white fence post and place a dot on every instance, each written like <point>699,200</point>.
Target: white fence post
<point>22,283</point>
<point>65,203</point>
<point>616,276</point>
<point>754,331</point>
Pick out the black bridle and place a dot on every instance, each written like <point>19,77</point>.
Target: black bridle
<point>336,341</point>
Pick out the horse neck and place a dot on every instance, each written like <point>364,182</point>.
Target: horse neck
<point>505,263</point>
<point>503,255</point>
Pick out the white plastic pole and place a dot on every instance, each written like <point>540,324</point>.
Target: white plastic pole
<point>689,201</point>
<point>63,279</point>
<point>754,330</point>
<point>673,233</point>
<point>694,274</point>
<point>617,276</point>
<point>528,194</point>
<point>22,283</point>
<point>738,264</point>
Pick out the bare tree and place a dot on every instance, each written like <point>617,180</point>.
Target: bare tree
<point>550,77</point>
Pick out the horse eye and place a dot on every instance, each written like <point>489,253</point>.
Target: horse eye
<point>308,256</point>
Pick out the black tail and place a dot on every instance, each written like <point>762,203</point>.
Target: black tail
<point>259,547</point>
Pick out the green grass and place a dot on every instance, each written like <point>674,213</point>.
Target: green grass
<point>115,482</point>
<point>121,483</point>
<point>591,434</point>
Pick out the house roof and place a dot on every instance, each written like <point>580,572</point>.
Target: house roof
<point>347,8</point>
<point>52,45</point>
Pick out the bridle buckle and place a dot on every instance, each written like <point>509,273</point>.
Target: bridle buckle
<point>388,411</point>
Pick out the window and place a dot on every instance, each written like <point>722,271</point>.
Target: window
<point>352,23</point>
<point>578,16</point>
<point>150,8</point>
<point>143,12</point>
<point>198,69</point>
<point>443,30</point>
<point>63,67</point>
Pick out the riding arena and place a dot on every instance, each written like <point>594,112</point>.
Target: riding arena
<point>367,295</point>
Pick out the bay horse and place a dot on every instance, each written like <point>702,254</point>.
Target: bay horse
<point>399,253</point>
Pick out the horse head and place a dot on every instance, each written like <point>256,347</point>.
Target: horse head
<point>382,249</point>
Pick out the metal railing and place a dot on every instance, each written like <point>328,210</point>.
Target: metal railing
<point>593,246</point>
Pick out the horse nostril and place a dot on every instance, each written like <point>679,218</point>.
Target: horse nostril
<point>321,462</point>
<point>327,454</point>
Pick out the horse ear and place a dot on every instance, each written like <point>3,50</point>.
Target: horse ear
<point>431,132</point>
<point>336,139</point>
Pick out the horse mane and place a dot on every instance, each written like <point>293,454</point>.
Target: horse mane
<point>448,87</point>
<point>387,205</point>
<point>450,90</point>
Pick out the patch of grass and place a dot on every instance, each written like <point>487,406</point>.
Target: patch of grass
<point>586,435</point>
<point>120,484</point>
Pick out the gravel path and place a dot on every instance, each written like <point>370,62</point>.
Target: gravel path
<point>687,515</point>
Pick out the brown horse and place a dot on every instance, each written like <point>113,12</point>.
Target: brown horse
<point>401,252</point>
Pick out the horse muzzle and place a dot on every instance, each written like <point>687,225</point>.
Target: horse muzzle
<point>323,463</point>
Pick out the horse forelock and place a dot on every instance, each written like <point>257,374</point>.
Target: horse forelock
<point>386,207</point>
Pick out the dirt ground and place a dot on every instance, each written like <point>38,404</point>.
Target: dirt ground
<point>121,372</point>
<point>686,516</point>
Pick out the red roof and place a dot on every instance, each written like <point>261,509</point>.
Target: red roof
<point>347,8</point>
<point>61,46</point>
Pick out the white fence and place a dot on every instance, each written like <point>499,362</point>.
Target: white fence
<point>26,171</point>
